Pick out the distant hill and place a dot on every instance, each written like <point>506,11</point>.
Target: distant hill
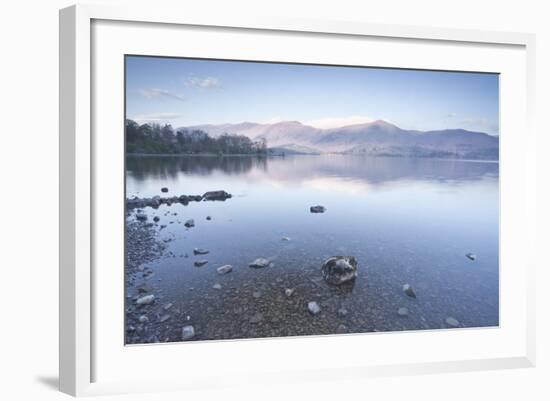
<point>291,149</point>
<point>375,138</point>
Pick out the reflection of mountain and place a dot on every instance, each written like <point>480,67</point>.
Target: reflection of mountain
<point>377,170</point>
<point>295,170</point>
<point>376,138</point>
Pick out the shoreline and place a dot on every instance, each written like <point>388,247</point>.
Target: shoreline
<point>196,155</point>
<point>303,154</point>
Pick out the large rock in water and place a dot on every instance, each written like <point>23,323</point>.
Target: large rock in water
<point>216,195</point>
<point>339,269</point>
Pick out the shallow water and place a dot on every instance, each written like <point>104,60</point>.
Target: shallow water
<point>404,220</point>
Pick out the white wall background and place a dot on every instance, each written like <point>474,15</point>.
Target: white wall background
<point>29,201</point>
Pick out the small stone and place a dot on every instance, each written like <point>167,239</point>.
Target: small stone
<point>168,306</point>
<point>471,256</point>
<point>217,286</point>
<point>145,287</point>
<point>187,333</point>
<point>189,223</point>
<point>342,312</point>
<point>224,269</point>
<point>208,218</point>
<point>156,219</point>
<point>143,319</point>
<point>164,318</point>
<point>256,318</point>
<point>317,209</point>
<point>341,329</point>
<point>145,300</point>
<point>451,321</point>
<point>289,292</point>
<point>403,311</point>
<point>141,216</point>
<point>313,307</point>
<point>164,189</point>
<point>259,263</point>
<point>200,263</point>
<point>256,294</point>
<point>407,289</point>
<point>285,239</point>
<point>131,329</point>
<point>200,251</point>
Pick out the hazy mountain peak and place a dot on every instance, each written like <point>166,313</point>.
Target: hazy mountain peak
<point>377,137</point>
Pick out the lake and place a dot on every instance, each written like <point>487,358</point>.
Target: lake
<point>405,220</point>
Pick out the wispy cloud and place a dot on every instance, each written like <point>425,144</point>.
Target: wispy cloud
<point>337,122</point>
<point>203,82</point>
<point>156,118</point>
<point>160,93</point>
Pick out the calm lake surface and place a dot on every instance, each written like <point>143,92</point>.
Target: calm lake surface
<point>404,220</point>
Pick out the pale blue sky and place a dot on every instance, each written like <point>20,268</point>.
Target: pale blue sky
<point>187,92</point>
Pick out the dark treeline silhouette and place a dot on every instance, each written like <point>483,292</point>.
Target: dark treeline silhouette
<point>161,139</point>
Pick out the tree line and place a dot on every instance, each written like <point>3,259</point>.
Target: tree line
<point>161,139</point>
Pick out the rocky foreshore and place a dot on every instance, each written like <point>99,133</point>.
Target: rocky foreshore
<point>262,301</point>
<point>156,201</point>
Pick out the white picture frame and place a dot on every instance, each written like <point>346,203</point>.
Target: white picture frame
<point>79,344</point>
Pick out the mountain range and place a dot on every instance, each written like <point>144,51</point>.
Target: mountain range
<point>379,138</point>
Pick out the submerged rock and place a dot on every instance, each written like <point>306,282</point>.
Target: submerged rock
<point>145,287</point>
<point>200,251</point>
<point>216,195</point>
<point>259,263</point>
<point>471,256</point>
<point>224,269</point>
<point>256,318</point>
<point>407,289</point>
<point>342,312</point>
<point>451,321</point>
<point>341,329</point>
<point>189,223</point>
<point>187,333</point>
<point>313,307</point>
<point>156,219</point>
<point>317,209</point>
<point>208,218</point>
<point>145,300</point>
<point>200,263</point>
<point>285,239</point>
<point>403,311</point>
<point>339,269</point>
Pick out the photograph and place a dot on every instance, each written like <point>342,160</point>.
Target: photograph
<point>279,199</point>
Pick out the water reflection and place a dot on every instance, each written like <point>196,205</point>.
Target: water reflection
<point>164,167</point>
<point>405,221</point>
<point>371,170</point>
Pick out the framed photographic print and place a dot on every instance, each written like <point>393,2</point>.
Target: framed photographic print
<point>348,197</point>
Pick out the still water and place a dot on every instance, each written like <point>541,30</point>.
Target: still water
<point>404,220</point>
